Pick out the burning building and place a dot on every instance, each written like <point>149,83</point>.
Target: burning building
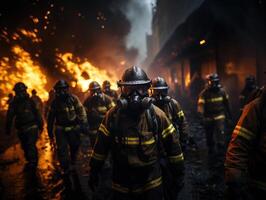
<point>226,37</point>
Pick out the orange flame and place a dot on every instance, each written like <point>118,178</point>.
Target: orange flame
<point>84,72</point>
<point>23,69</point>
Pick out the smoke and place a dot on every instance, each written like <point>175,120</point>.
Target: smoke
<point>139,13</point>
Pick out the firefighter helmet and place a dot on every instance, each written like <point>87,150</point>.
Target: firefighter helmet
<point>134,76</point>
<point>159,84</point>
<point>213,77</point>
<point>94,86</point>
<point>20,87</point>
<point>34,92</point>
<point>61,84</point>
<point>214,80</point>
<point>106,84</point>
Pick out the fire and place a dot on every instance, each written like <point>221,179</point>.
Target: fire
<point>187,80</point>
<point>21,69</point>
<point>84,72</point>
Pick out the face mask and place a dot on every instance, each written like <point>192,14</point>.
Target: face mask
<point>61,93</point>
<point>134,98</point>
<point>22,95</point>
<point>107,89</point>
<point>96,94</point>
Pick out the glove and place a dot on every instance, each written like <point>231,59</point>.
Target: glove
<point>93,181</point>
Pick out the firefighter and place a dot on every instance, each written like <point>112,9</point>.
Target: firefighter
<point>28,122</point>
<point>213,107</point>
<point>249,89</point>
<point>138,134</point>
<point>37,100</point>
<point>97,104</point>
<point>10,98</point>
<point>106,88</point>
<point>70,120</point>
<point>245,162</point>
<point>171,107</point>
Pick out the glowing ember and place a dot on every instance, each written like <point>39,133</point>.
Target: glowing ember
<point>30,34</point>
<point>84,72</point>
<point>21,69</point>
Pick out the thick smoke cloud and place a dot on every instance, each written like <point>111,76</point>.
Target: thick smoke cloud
<point>139,13</point>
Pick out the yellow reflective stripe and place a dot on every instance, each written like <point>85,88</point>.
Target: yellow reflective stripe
<point>99,157</point>
<point>170,129</point>
<point>201,100</point>
<point>176,158</point>
<point>102,108</point>
<point>218,99</point>
<point>104,130</point>
<point>119,188</point>
<point>219,117</point>
<point>134,141</point>
<point>67,128</point>
<point>245,133</point>
<point>150,185</point>
<point>180,114</point>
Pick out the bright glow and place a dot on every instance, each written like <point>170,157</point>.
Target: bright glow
<point>202,42</point>
<point>21,69</point>
<point>84,72</point>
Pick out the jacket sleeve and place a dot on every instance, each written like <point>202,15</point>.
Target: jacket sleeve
<point>102,146</point>
<point>109,103</point>
<point>241,144</point>
<point>172,148</point>
<point>181,122</point>
<point>51,120</point>
<point>9,117</point>
<point>81,112</point>
<point>37,114</point>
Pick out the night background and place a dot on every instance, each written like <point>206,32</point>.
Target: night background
<point>42,41</point>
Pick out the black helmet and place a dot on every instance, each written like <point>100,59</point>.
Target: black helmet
<point>94,86</point>
<point>214,81</point>
<point>159,84</point>
<point>61,84</point>
<point>34,91</point>
<point>20,87</point>
<point>106,84</point>
<point>213,77</point>
<point>134,76</point>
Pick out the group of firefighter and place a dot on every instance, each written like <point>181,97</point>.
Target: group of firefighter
<point>143,133</point>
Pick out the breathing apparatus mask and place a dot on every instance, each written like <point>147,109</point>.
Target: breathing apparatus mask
<point>135,98</point>
<point>160,96</point>
<point>96,93</point>
<point>62,93</point>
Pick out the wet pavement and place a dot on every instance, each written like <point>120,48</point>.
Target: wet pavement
<point>47,182</point>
